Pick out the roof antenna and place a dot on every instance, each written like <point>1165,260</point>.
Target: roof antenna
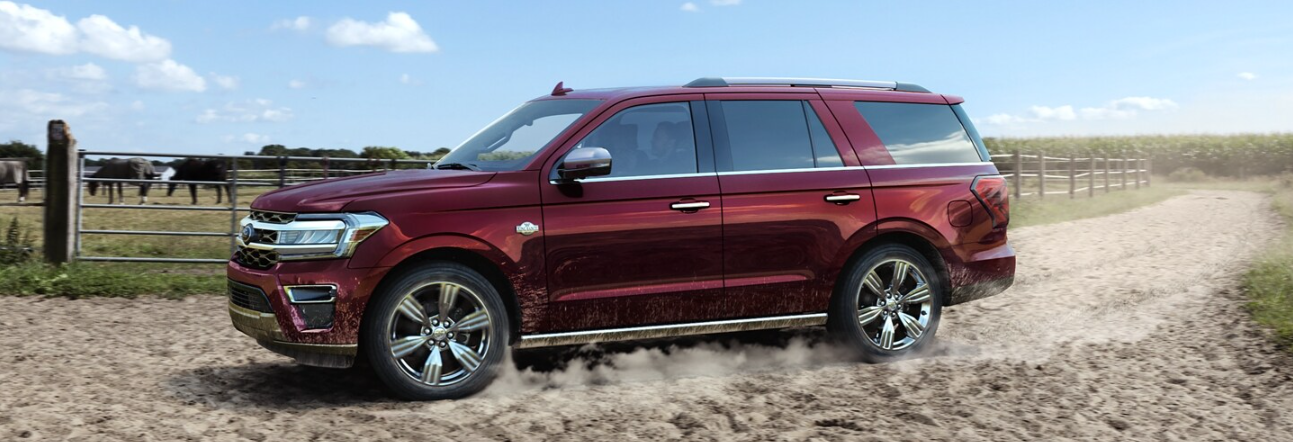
<point>559,90</point>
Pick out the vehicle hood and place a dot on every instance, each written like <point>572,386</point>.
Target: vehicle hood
<point>332,195</point>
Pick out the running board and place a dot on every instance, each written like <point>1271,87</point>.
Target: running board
<point>669,330</point>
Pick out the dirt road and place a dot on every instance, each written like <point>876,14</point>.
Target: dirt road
<point>1123,327</point>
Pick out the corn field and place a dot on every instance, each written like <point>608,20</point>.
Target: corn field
<point>1217,155</point>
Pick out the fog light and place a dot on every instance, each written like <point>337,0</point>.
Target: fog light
<point>316,304</point>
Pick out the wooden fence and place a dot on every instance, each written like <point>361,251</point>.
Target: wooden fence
<point>1040,175</point>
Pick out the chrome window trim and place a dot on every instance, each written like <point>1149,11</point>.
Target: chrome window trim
<point>637,178</point>
<point>914,166</point>
<point>806,169</point>
<point>331,288</point>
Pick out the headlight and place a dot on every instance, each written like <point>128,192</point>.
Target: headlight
<point>311,235</point>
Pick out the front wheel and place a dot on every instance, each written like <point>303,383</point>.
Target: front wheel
<point>889,304</point>
<point>437,331</point>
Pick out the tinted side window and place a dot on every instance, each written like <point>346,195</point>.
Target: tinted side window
<point>823,147</point>
<point>767,135</point>
<point>920,133</point>
<point>652,139</point>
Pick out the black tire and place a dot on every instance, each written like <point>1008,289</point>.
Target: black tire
<point>852,298</point>
<point>383,322</point>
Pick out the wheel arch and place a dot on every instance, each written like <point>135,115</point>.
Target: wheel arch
<point>907,232</point>
<point>491,263</point>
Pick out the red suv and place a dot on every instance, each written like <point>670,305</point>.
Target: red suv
<point>724,205</point>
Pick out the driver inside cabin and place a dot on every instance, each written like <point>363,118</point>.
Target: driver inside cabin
<point>670,149</point>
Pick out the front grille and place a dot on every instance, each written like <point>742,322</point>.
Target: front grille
<point>255,258</point>
<point>267,236</point>
<point>272,217</point>
<point>248,297</point>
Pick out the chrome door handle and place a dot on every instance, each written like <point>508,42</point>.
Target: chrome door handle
<point>842,199</point>
<point>692,206</point>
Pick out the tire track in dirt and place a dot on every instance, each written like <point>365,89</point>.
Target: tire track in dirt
<point>1127,326</point>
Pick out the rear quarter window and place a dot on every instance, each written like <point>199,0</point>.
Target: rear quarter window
<point>916,133</point>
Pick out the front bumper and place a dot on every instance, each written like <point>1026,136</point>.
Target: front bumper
<point>263,327</point>
<point>284,327</point>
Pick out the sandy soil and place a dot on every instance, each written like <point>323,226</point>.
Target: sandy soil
<point>1123,327</point>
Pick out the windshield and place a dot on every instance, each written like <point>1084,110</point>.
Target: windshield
<point>508,143</point>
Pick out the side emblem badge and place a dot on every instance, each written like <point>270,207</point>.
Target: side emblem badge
<point>527,228</point>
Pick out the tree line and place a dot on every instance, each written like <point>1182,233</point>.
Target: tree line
<point>36,157</point>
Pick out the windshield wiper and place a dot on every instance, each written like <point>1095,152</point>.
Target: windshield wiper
<point>457,166</point>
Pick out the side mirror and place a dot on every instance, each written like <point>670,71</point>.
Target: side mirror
<point>583,163</point>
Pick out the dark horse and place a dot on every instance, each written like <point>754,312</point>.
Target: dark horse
<point>194,169</point>
<point>127,169</point>
<point>15,172</point>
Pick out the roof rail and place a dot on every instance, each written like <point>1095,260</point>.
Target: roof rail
<point>803,82</point>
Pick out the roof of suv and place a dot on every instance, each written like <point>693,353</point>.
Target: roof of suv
<point>895,91</point>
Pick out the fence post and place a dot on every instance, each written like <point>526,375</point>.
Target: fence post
<point>60,193</point>
<point>1019,177</point>
<point>1072,176</point>
<point>1090,189</point>
<point>1140,162</point>
<point>1149,171</point>
<point>1041,174</point>
<point>233,206</point>
<point>1106,174</point>
<point>282,172</point>
<point>1123,164</point>
<point>325,168</point>
<point>393,163</point>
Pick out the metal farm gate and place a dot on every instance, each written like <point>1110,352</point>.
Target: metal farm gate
<point>232,210</point>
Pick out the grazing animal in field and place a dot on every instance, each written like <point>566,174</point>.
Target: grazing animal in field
<point>194,169</point>
<point>15,172</point>
<point>127,169</point>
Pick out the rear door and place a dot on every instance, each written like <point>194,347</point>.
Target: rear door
<point>793,195</point>
<point>643,245</point>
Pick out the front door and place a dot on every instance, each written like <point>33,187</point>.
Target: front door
<point>644,244</point>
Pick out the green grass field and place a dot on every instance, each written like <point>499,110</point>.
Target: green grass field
<point>1270,281</point>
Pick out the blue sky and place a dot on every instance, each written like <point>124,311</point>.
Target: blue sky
<point>225,77</point>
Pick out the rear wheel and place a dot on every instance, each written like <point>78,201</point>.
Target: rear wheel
<point>889,305</point>
<point>437,331</point>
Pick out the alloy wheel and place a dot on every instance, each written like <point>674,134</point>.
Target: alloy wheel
<point>894,304</point>
<point>439,333</point>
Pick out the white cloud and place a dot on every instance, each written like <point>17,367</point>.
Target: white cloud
<point>137,106</point>
<point>399,33</point>
<point>1120,109</point>
<point>251,138</point>
<point>689,7</point>
<point>248,111</point>
<point>1248,76</point>
<point>170,76</point>
<point>296,84</point>
<point>724,2</point>
<point>1062,113</point>
<point>88,71</point>
<point>301,23</point>
<point>29,29</point>
<point>103,37</point>
<point>227,82</point>
<point>408,79</point>
<point>47,104</point>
